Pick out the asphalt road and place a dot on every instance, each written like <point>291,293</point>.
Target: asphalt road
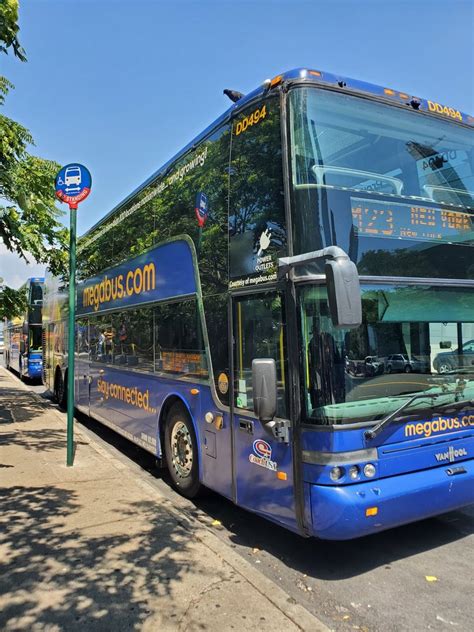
<point>417,577</point>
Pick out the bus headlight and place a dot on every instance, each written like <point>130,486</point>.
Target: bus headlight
<point>354,472</point>
<point>336,473</point>
<point>369,470</point>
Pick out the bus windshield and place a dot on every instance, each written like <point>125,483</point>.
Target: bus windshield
<point>376,178</point>
<point>413,339</point>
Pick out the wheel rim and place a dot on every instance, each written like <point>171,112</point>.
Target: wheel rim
<point>444,368</point>
<point>181,450</point>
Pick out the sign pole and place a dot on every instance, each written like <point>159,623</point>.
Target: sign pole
<point>72,184</point>
<point>71,331</point>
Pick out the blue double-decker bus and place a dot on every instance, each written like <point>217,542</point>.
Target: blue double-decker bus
<point>23,335</point>
<point>283,312</point>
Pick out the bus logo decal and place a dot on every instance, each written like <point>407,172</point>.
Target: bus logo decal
<point>263,455</point>
<point>451,454</point>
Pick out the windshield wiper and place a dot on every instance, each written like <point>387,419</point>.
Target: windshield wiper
<point>376,430</point>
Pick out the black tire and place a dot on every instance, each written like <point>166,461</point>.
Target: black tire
<point>407,368</point>
<point>60,390</point>
<point>389,368</point>
<point>181,452</point>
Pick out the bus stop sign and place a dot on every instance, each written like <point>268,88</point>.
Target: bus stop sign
<point>73,184</point>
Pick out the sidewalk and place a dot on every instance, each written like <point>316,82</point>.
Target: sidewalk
<point>95,547</point>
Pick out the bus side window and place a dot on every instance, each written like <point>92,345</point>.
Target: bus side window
<point>259,332</point>
<point>179,344</point>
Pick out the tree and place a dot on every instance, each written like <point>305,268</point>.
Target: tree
<point>29,218</point>
<point>12,302</point>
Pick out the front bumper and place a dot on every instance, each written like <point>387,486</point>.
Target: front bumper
<point>35,370</point>
<point>339,513</point>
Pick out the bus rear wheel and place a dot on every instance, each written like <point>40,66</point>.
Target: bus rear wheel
<point>181,452</point>
<point>60,393</point>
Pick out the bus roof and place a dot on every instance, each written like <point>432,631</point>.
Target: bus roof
<point>304,75</point>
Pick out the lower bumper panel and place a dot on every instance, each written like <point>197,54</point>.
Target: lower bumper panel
<point>339,513</point>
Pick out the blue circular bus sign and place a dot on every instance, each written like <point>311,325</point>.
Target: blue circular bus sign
<point>73,184</point>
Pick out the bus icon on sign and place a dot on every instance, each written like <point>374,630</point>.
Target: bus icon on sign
<point>72,176</point>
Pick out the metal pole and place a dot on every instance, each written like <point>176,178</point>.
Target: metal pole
<point>71,331</point>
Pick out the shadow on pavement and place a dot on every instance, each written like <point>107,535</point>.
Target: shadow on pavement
<point>55,577</point>
<point>25,407</point>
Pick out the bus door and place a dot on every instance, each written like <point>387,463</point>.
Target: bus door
<point>263,462</point>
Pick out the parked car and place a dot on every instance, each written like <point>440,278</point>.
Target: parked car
<point>460,358</point>
<point>373,366</point>
<point>401,363</point>
<point>368,367</point>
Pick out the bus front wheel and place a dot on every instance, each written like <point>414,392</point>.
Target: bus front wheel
<point>181,452</point>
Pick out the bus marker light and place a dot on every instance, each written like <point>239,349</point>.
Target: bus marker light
<point>389,92</point>
<point>369,470</point>
<point>275,81</point>
<point>354,472</point>
<point>219,422</point>
<point>194,391</point>
<point>316,73</point>
<point>336,473</point>
<point>371,511</point>
<point>282,476</point>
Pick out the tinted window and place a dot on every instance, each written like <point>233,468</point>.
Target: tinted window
<point>257,219</point>
<point>216,311</point>
<point>392,187</point>
<point>357,375</point>
<point>259,333</point>
<point>124,339</point>
<point>179,343</point>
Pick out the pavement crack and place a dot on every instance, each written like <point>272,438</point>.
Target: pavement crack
<point>194,602</point>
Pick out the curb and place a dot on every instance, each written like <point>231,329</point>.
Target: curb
<point>299,615</point>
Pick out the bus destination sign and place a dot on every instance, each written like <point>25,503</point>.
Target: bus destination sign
<point>410,221</point>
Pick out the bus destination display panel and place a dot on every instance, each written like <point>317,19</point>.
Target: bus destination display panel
<point>410,221</point>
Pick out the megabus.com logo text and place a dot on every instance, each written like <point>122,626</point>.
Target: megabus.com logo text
<point>440,424</point>
<point>134,282</point>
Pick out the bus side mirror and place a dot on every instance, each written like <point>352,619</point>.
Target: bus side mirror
<point>24,329</point>
<point>264,385</point>
<point>344,296</point>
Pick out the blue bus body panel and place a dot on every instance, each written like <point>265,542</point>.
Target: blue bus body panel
<point>415,476</point>
<point>170,274</point>
<point>35,365</point>
<point>264,485</point>
<point>339,512</point>
<point>131,402</point>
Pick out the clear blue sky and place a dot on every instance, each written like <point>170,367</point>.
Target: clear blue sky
<point>121,85</point>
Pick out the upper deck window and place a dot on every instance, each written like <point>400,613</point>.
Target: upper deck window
<point>373,177</point>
